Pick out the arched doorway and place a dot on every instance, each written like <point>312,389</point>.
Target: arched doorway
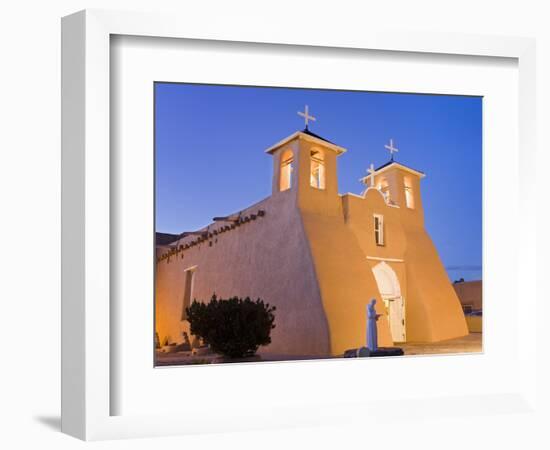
<point>390,290</point>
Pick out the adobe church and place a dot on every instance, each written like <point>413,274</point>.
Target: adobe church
<point>318,256</point>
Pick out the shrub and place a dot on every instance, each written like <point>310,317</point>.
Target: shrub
<point>233,327</point>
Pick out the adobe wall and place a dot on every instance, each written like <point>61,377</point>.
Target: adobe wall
<point>432,309</point>
<point>268,258</point>
<point>358,213</point>
<point>346,282</point>
<point>428,284</point>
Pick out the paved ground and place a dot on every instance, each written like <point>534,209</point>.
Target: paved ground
<point>468,344</point>
<point>185,358</point>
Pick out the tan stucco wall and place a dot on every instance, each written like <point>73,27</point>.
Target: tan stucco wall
<point>345,281</point>
<point>267,258</point>
<point>433,311</point>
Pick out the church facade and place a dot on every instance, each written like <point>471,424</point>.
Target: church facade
<point>319,257</point>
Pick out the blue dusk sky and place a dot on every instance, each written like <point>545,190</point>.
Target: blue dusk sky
<point>210,159</point>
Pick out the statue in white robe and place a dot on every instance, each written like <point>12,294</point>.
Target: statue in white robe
<point>372,331</point>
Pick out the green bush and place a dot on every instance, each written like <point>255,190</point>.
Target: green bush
<point>233,327</point>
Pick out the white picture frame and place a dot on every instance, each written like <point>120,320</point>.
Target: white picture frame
<point>87,321</point>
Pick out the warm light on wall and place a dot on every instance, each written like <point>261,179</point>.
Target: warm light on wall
<point>206,236</point>
<point>409,197</point>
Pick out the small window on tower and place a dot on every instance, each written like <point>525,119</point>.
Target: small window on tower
<point>379,229</point>
<point>384,187</point>
<point>317,177</point>
<point>409,197</point>
<point>287,160</point>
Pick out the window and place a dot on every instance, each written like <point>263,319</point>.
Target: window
<point>317,176</point>
<point>188,290</point>
<point>409,197</point>
<point>385,189</point>
<point>379,229</point>
<point>285,181</point>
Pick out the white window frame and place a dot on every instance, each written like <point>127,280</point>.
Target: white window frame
<point>286,165</point>
<point>379,237</point>
<point>317,181</point>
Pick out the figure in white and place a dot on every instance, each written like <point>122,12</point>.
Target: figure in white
<point>372,332</point>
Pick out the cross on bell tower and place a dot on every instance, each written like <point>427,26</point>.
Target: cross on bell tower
<point>370,175</point>
<point>306,116</point>
<point>391,148</point>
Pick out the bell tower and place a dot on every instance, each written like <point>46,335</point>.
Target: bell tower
<point>305,167</point>
<point>399,184</point>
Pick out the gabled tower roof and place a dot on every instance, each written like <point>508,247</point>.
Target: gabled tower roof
<point>390,164</point>
<point>310,136</point>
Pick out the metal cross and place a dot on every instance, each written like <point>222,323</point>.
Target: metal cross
<point>306,116</point>
<point>371,172</point>
<point>391,148</point>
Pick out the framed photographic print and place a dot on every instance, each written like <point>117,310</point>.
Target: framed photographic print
<point>288,266</point>
<point>316,214</point>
